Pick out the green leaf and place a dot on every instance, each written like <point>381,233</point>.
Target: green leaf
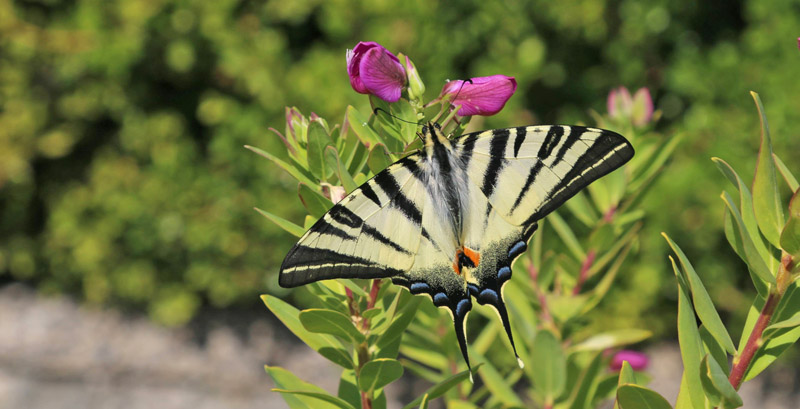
<point>612,339</point>
<point>566,235</point>
<point>684,398</point>
<point>766,197</point>
<point>714,348</point>
<point>338,402</point>
<point>734,237</point>
<point>300,174</point>
<point>332,156</point>
<point>790,236</point>
<point>291,384</point>
<point>747,212</point>
<point>718,389</point>
<point>626,376</point>
<point>313,201</point>
<point>282,223</point>
<point>786,173</point>
<point>690,343</point>
<point>583,395</point>
<point>582,209</point>
<point>779,339</point>
<point>442,387</point>
<point>326,345</point>
<point>318,140</point>
<point>702,301</point>
<point>330,322</point>
<point>358,123</point>
<point>790,322</point>
<point>399,323</point>
<point>348,389</point>
<point>551,365</point>
<point>754,260</point>
<point>378,373</point>
<point>378,159</point>
<point>495,382</point>
<point>630,396</point>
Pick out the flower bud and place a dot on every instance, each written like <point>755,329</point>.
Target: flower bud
<point>481,95</point>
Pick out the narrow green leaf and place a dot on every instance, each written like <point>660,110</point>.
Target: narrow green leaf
<point>582,209</point>
<point>714,348</point>
<point>282,223</point>
<point>754,259</point>
<point>313,201</point>
<point>790,236</point>
<point>626,376</point>
<point>690,343</point>
<point>702,301</point>
<point>566,235</point>
<point>348,390</point>
<point>331,322</point>
<point>718,389</point>
<point>790,322</point>
<point>734,237</point>
<point>583,395</point>
<point>358,123</point>
<point>684,399</point>
<point>378,159</point>
<point>786,173</point>
<point>378,373</point>
<point>495,382</point>
<point>611,339</point>
<point>318,140</point>
<point>632,396</point>
<point>442,387</point>
<point>766,197</point>
<point>551,365</point>
<point>338,402</point>
<point>341,170</point>
<point>333,349</point>
<point>747,212</point>
<point>285,381</point>
<point>399,323</point>
<point>300,174</point>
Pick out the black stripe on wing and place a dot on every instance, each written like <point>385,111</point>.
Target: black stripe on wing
<point>304,265</point>
<point>608,152</point>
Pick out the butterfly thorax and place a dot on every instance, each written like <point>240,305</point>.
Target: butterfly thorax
<point>447,179</point>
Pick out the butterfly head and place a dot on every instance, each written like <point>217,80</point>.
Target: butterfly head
<point>432,136</point>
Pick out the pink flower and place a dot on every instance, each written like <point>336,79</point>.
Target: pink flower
<point>637,360</point>
<point>374,70</point>
<point>798,42</point>
<point>481,95</point>
<point>638,109</point>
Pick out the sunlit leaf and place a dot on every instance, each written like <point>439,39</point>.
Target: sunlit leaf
<point>318,140</point>
<point>702,301</point>
<point>632,396</point>
<point>330,322</point>
<point>282,223</point>
<point>313,201</point>
<point>300,174</point>
<point>285,380</point>
<point>718,389</point>
<point>378,373</point>
<point>690,343</point>
<point>611,339</point>
<point>754,260</point>
<point>790,236</point>
<point>766,197</point>
<point>786,173</point>
<point>442,387</point>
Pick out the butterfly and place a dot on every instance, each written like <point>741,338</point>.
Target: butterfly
<point>449,220</point>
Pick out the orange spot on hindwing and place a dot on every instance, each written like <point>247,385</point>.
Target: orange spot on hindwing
<point>465,257</point>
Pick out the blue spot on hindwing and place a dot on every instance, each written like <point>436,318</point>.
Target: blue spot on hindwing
<point>517,249</point>
<point>440,299</point>
<point>417,288</point>
<point>504,273</point>
<point>473,289</point>
<point>462,307</point>
<point>488,296</point>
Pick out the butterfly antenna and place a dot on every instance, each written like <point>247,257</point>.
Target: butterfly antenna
<point>379,109</point>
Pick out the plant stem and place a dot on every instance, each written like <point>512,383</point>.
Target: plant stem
<point>583,275</point>
<point>754,341</point>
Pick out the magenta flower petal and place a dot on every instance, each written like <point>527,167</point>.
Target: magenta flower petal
<point>642,107</point>
<point>637,360</point>
<point>484,96</point>
<point>354,57</point>
<point>382,74</point>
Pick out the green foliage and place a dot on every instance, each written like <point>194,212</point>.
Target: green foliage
<point>772,324</point>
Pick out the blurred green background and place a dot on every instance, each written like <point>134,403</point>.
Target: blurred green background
<point>123,181</point>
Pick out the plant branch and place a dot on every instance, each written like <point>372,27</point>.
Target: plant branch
<point>755,340</point>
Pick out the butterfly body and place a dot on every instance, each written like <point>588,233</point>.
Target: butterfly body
<point>449,220</point>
